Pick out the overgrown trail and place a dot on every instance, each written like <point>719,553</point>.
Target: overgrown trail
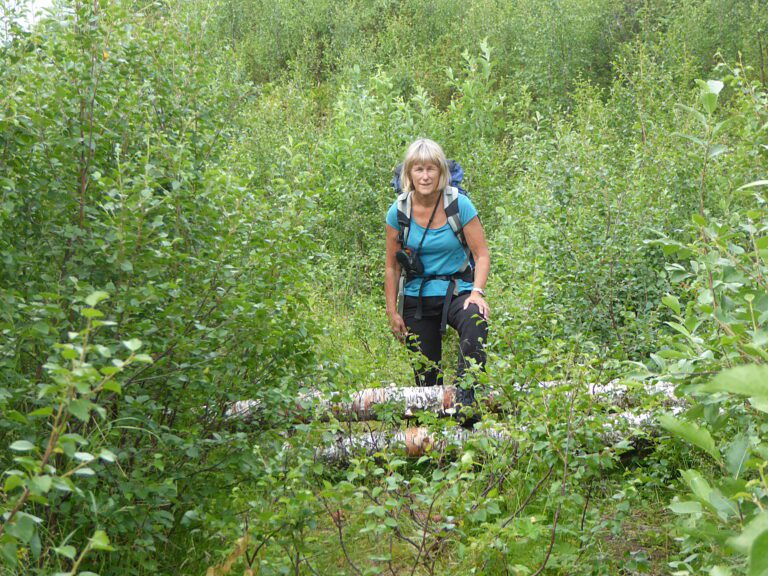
<point>192,203</point>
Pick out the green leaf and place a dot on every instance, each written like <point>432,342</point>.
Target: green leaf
<point>716,150</point>
<point>100,541</point>
<point>698,485</point>
<point>23,527</point>
<point>672,303</point>
<point>725,508</point>
<point>736,454</point>
<point>22,446</point>
<point>680,328</point>
<point>133,344</point>
<point>750,380</point>
<point>103,351</point>
<point>81,409</point>
<point>46,411</point>
<point>35,545</point>
<point>758,556</point>
<point>12,482</point>
<point>91,313</point>
<point>686,507</point>
<point>95,297</point>
<point>84,457</point>
<point>755,351</point>
<point>107,456</point>
<point>694,139</point>
<point>695,113</point>
<point>113,386</point>
<point>753,184</point>
<point>709,101</point>
<point>66,551</point>
<point>16,416</point>
<point>41,328</point>
<point>9,551</point>
<point>760,403</point>
<point>714,86</point>
<point>690,432</point>
<point>41,484</point>
<point>743,542</point>
<point>724,124</point>
<point>69,353</point>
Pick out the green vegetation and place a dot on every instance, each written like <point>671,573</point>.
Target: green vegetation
<point>192,199</point>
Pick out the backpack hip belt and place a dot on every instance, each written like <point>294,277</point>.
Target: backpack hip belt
<point>453,290</point>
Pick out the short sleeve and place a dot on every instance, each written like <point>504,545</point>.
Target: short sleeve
<point>467,210</point>
<point>392,216</point>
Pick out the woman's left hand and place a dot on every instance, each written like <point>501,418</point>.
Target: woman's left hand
<point>477,299</point>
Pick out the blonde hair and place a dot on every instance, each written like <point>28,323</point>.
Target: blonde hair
<point>424,151</point>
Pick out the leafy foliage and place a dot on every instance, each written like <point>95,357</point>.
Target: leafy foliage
<point>191,213</point>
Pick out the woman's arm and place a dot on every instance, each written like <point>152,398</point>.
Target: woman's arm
<point>391,280</point>
<point>475,236</point>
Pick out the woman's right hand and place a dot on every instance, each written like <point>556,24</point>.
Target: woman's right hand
<point>397,325</point>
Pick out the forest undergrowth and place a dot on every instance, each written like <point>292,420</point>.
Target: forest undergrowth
<point>192,201</point>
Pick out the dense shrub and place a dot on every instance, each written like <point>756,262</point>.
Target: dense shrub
<point>192,201</point>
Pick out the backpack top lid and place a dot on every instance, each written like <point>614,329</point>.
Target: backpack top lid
<point>457,175</point>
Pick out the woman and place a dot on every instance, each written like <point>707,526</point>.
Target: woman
<point>440,286</point>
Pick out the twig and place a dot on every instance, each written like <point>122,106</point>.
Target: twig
<point>529,497</point>
<point>306,561</point>
<point>424,532</point>
<point>336,518</point>
<point>586,504</point>
<point>562,488</point>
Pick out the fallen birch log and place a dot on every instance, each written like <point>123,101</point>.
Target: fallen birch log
<point>413,442</point>
<point>407,401</point>
<point>365,404</point>
<point>417,441</point>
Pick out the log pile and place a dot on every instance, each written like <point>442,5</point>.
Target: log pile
<point>626,421</point>
<point>408,401</point>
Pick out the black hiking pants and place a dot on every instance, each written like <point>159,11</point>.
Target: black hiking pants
<point>425,337</point>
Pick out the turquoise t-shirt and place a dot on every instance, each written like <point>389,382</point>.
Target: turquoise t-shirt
<point>441,252</point>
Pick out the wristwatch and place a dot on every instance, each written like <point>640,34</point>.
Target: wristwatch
<point>480,291</point>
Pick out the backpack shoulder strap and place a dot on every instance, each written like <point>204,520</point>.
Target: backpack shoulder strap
<point>403,217</point>
<point>451,205</point>
<point>404,225</point>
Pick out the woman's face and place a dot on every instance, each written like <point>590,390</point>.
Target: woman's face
<point>425,177</point>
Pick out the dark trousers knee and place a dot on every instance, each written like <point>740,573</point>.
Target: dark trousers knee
<point>426,338</point>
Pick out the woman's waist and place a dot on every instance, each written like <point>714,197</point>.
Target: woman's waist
<point>427,286</point>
